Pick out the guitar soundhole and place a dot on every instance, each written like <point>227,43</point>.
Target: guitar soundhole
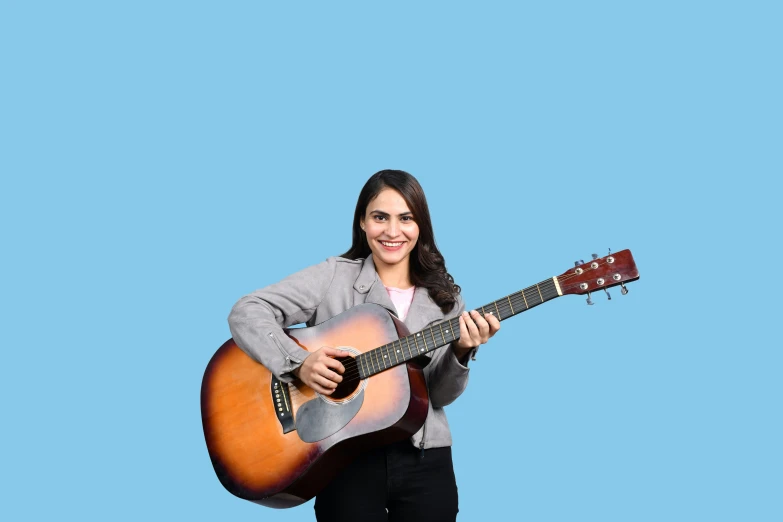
<point>351,379</point>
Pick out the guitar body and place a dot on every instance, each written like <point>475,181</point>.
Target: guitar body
<point>279,444</point>
<point>258,458</point>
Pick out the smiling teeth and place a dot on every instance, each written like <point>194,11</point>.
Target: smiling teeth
<point>388,244</point>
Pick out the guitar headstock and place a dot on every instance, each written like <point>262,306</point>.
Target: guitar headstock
<point>599,273</point>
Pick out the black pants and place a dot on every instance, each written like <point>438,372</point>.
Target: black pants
<point>413,487</point>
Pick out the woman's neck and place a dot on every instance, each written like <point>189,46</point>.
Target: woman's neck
<point>395,276</point>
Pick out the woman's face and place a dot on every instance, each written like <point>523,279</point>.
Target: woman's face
<point>391,229</point>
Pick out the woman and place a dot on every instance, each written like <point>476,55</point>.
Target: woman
<point>394,262</point>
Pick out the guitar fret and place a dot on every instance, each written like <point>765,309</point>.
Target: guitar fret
<point>418,350</point>
<point>434,333</point>
<point>433,341</point>
<point>393,354</point>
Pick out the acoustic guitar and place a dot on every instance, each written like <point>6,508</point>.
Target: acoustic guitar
<point>278,444</point>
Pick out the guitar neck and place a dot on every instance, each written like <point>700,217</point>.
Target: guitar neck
<point>443,333</point>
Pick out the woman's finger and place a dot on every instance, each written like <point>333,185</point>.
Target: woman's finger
<point>464,334</point>
<point>334,364</point>
<point>482,325</point>
<point>494,324</point>
<point>324,382</point>
<point>475,336</point>
<point>332,376</point>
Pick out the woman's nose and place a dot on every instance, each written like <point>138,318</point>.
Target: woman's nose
<point>393,228</point>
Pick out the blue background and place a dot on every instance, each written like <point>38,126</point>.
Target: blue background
<point>161,159</point>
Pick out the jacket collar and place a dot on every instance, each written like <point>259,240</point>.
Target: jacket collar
<point>423,309</point>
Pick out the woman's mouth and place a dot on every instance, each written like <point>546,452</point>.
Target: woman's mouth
<point>391,245</point>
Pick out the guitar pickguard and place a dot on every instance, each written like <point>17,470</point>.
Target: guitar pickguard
<point>317,419</point>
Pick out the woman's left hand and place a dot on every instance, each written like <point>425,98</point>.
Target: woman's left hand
<point>474,330</point>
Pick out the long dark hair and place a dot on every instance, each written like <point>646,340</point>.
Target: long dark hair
<point>427,266</point>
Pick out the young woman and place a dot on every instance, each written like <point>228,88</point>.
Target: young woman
<point>395,263</point>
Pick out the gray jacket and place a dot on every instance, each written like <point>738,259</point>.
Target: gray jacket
<point>323,291</point>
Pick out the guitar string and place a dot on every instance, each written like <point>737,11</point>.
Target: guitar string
<point>353,372</point>
<point>352,375</point>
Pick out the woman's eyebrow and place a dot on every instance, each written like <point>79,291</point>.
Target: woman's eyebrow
<point>382,213</point>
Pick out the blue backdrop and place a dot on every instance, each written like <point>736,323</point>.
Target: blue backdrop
<point>161,159</point>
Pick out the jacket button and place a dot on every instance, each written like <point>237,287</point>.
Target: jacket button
<point>361,287</point>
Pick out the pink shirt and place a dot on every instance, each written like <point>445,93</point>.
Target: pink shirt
<point>402,299</point>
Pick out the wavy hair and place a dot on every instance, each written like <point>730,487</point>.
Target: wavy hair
<point>427,266</point>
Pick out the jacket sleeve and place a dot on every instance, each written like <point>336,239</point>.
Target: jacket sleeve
<point>257,320</point>
<point>446,377</point>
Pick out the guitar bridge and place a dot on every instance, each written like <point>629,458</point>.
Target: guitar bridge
<point>281,398</point>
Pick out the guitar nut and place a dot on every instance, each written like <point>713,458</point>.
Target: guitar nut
<point>583,286</point>
<point>600,281</point>
<point>593,265</point>
<point>617,277</point>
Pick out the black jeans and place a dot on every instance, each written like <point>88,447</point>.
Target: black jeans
<point>411,485</point>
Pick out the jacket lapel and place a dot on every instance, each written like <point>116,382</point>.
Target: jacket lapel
<point>423,311</point>
<point>370,284</point>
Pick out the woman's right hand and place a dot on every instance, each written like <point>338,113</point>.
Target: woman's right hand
<point>320,371</point>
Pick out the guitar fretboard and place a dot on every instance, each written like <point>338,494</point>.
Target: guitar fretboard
<point>443,333</point>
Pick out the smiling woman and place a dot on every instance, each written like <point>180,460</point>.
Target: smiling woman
<point>396,199</point>
<point>393,262</point>
<point>392,233</point>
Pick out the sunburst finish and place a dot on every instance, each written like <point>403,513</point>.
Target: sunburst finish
<point>252,456</point>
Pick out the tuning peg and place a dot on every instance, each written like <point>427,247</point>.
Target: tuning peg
<point>595,256</point>
<point>608,295</point>
<point>624,290</point>
<point>581,261</point>
<point>589,301</point>
<point>576,263</point>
